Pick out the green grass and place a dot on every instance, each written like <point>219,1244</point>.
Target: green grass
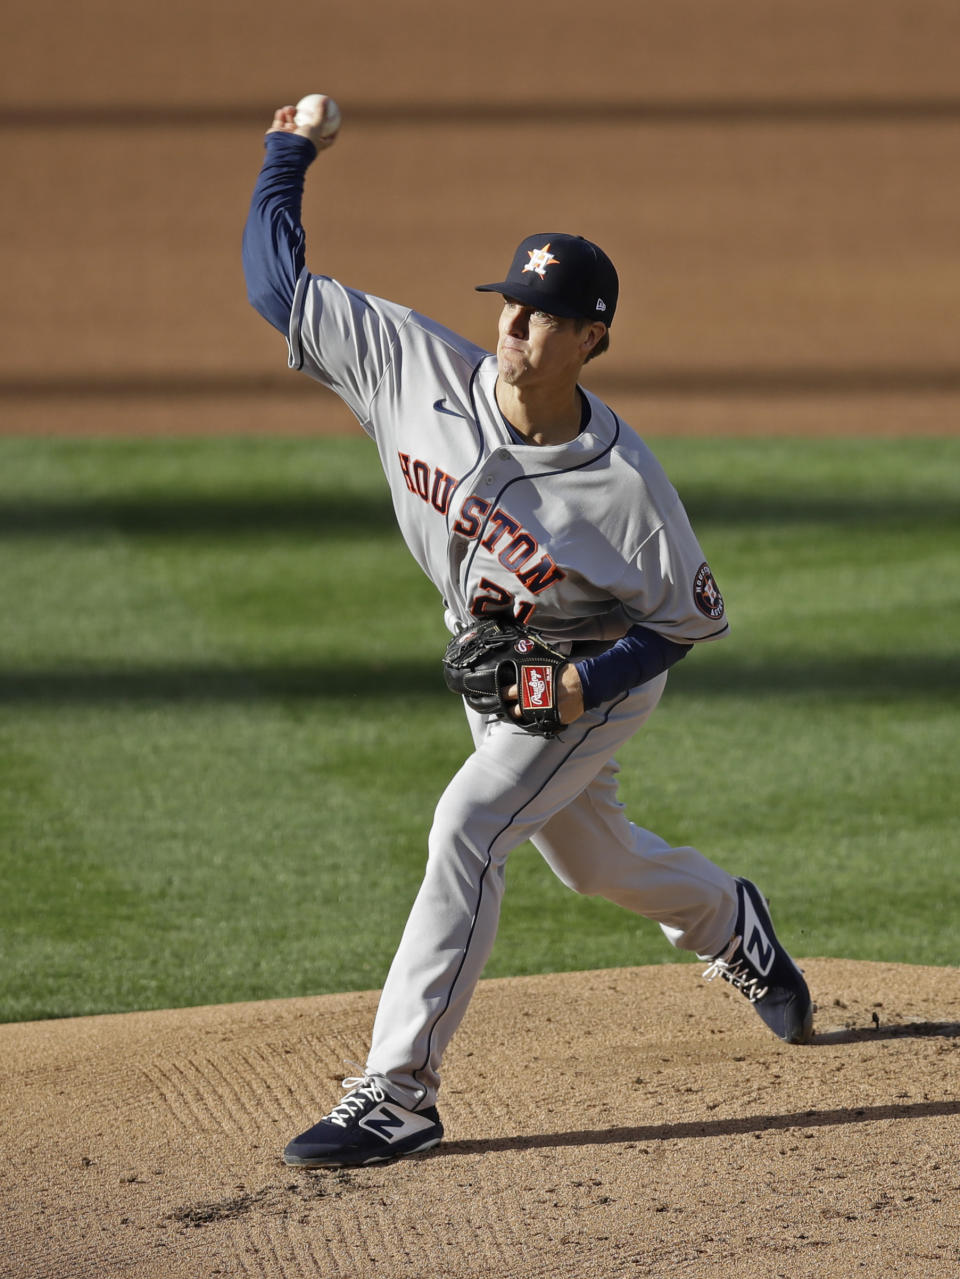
<point>223,730</point>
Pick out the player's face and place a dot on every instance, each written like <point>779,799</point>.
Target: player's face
<point>535,347</point>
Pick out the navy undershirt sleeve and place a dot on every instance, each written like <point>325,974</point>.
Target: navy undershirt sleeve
<point>274,244</point>
<point>641,655</point>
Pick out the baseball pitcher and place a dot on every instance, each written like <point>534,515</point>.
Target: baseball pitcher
<point>571,581</point>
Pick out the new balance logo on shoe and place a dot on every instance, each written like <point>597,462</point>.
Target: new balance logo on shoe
<point>759,951</point>
<point>757,946</point>
<point>393,1124</point>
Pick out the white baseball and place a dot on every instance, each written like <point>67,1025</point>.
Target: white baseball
<point>318,112</point>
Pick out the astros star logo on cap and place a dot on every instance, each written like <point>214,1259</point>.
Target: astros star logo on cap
<point>540,259</point>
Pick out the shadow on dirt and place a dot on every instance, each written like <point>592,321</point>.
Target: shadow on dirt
<point>757,1124</point>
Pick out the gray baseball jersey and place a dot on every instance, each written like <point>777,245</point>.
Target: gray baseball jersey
<point>582,540</point>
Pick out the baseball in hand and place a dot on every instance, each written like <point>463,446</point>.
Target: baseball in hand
<point>319,114</point>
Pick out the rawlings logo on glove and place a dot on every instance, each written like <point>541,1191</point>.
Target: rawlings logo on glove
<point>536,687</point>
<point>482,662</point>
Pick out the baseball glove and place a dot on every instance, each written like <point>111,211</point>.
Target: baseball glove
<point>483,661</point>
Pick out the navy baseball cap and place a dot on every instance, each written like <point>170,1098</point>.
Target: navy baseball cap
<point>562,275</point>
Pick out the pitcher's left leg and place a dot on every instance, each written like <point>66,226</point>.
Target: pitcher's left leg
<point>593,848</point>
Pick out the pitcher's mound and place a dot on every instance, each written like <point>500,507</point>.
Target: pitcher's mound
<point>619,1123</point>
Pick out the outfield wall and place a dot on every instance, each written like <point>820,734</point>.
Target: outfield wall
<point>777,182</point>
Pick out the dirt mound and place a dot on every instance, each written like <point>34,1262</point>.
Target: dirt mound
<point>622,1122</point>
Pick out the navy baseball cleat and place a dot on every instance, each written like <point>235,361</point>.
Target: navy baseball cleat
<point>758,966</point>
<point>367,1127</point>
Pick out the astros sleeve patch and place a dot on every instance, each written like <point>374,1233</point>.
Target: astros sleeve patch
<point>706,593</point>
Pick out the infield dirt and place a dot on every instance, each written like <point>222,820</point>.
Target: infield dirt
<point>616,1123</point>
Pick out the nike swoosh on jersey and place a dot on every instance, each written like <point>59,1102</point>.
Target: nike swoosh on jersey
<point>439,408</point>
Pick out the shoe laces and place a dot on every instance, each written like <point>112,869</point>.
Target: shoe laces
<point>740,975</point>
<point>361,1091</point>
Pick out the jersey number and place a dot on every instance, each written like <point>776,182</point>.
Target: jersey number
<point>492,598</point>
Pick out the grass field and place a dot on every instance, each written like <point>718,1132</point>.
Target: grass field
<point>223,727</point>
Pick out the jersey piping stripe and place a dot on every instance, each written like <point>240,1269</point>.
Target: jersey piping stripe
<point>486,867</point>
<point>713,634</point>
<point>469,562</point>
<point>475,423</point>
<point>519,479</point>
<point>298,352</point>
